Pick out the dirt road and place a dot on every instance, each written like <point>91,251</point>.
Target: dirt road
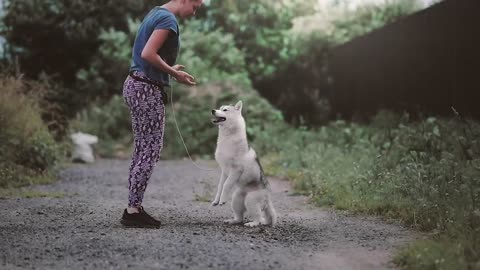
<point>81,230</point>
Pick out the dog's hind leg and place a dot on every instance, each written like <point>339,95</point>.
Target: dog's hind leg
<point>255,208</point>
<point>221,182</point>
<point>238,206</point>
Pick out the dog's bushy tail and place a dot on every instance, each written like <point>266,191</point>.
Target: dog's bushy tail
<point>270,213</point>
<point>261,207</point>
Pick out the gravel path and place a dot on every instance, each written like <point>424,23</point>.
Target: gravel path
<point>81,230</point>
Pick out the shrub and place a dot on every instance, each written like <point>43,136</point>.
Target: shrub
<point>106,72</point>
<point>28,150</point>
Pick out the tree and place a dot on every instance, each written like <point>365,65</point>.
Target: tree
<point>59,37</point>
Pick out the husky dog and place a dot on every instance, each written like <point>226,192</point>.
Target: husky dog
<point>241,170</point>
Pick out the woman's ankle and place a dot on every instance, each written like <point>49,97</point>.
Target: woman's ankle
<point>132,210</point>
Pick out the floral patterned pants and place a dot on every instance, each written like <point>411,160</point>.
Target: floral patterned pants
<point>147,110</point>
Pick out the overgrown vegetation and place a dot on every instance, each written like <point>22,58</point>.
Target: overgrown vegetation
<point>425,173</point>
<point>28,152</point>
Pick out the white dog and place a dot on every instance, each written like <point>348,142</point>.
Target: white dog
<point>240,170</point>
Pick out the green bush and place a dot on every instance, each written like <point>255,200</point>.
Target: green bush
<point>219,70</point>
<point>28,151</point>
<point>259,29</point>
<point>106,72</point>
<point>211,55</point>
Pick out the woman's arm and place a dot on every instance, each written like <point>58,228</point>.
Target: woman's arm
<point>149,54</point>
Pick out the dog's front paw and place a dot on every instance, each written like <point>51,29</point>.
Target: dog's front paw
<point>252,224</point>
<point>214,203</point>
<point>232,221</point>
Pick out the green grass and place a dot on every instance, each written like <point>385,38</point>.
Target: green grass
<point>11,193</point>
<point>439,254</point>
<point>18,187</point>
<point>425,173</point>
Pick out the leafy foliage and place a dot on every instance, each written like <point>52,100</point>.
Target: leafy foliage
<point>28,151</point>
<point>106,73</point>
<point>219,68</point>
<point>259,29</point>
<point>60,36</point>
<point>212,55</point>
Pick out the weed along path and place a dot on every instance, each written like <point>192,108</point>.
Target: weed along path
<point>81,229</point>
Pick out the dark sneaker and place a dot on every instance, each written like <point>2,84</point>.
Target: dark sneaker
<point>141,210</point>
<point>139,220</point>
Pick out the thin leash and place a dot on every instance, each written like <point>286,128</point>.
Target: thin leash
<point>180,134</point>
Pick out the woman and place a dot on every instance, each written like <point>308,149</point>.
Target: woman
<point>153,61</point>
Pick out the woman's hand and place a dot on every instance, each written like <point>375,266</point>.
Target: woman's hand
<point>149,53</point>
<point>182,76</point>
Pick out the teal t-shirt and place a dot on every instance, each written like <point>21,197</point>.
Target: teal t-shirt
<point>157,18</point>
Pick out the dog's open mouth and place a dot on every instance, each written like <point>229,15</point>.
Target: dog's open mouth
<point>218,119</point>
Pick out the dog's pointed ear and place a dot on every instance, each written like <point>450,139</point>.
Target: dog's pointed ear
<point>238,106</point>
